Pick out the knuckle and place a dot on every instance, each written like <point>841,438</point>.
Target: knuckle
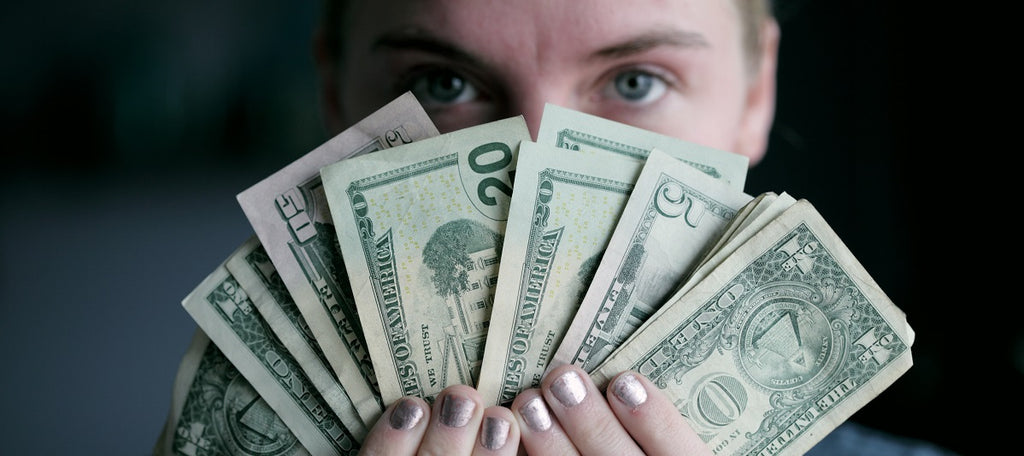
<point>607,436</point>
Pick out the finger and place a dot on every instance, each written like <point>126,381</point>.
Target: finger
<point>399,429</point>
<point>539,431</point>
<point>455,422</point>
<point>584,413</point>
<point>651,418</point>
<point>499,433</point>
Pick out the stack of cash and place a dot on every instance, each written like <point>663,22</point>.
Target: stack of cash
<point>394,261</point>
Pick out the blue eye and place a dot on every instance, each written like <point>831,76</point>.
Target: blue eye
<point>638,86</point>
<point>441,87</point>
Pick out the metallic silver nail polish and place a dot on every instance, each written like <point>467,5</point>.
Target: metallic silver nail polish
<point>405,415</point>
<point>494,433</point>
<point>535,414</point>
<point>456,410</point>
<point>569,389</point>
<point>629,390</point>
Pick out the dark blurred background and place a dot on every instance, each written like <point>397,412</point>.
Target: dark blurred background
<point>128,129</point>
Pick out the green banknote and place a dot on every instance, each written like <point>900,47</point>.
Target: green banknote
<point>785,340</point>
<point>574,130</point>
<point>767,209</point>
<point>256,274</point>
<point>673,215</point>
<point>289,213</point>
<point>750,212</point>
<point>224,311</point>
<point>750,219</point>
<point>215,411</point>
<point>420,228</point>
<point>562,214</point>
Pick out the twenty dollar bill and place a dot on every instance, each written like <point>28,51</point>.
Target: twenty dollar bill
<point>563,211</point>
<point>579,131</point>
<point>420,227</point>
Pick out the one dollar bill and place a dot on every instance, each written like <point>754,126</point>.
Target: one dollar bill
<point>215,411</point>
<point>222,308</point>
<point>785,340</point>
<point>256,274</point>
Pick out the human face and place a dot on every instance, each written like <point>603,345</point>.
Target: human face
<point>673,67</point>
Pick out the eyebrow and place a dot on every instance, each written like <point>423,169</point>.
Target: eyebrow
<point>415,40</point>
<point>651,40</point>
<point>420,40</point>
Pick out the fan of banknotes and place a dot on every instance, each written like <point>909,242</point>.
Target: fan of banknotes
<point>394,261</point>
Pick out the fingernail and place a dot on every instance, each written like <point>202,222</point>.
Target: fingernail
<point>629,390</point>
<point>495,433</point>
<point>456,410</point>
<point>405,415</point>
<point>569,389</point>
<point>535,414</point>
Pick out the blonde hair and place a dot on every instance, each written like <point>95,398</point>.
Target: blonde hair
<point>753,16</point>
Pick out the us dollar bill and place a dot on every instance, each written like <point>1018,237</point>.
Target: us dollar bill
<point>288,211</point>
<point>215,411</point>
<point>420,227</point>
<point>222,308</point>
<point>256,274</point>
<point>574,130</point>
<point>767,209</point>
<point>749,220</point>
<point>562,214</point>
<point>751,211</point>
<point>673,215</point>
<point>785,340</point>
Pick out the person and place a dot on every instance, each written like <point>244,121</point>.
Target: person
<point>699,70</point>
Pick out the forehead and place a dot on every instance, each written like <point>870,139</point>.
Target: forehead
<point>558,28</point>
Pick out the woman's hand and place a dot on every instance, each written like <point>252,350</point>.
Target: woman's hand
<point>566,415</point>
<point>569,415</point>
<point>458,424</point>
